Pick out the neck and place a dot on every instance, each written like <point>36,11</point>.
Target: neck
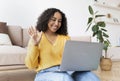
<point>51,37</point>
<point>50,33</point>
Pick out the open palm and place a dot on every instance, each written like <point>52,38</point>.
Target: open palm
<point>35,35</point>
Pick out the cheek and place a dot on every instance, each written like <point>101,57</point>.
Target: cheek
<point>50,23</point>
<point>60,24</point>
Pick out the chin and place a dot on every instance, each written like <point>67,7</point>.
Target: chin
<point>54,31</point>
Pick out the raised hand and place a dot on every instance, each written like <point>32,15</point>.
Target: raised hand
<point>35,35</point>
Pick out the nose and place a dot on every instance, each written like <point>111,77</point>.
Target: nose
<point>56,22</point>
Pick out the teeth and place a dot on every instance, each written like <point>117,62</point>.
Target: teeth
<point>54,27</point>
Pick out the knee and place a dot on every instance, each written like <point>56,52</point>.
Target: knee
<point>85,76</point>
<point>65,76</point>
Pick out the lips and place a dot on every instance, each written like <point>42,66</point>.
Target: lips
<point>54,28</point>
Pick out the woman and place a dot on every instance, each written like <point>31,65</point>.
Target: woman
<point>46,46</point>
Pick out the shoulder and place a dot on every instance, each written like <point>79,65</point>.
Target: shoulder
<point>65,37</point>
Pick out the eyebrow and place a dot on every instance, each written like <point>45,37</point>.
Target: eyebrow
<point>55,18</point>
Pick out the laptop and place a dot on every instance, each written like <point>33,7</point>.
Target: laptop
<point>81,56</point>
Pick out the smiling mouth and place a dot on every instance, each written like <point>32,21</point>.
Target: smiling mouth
<point>54,27</point>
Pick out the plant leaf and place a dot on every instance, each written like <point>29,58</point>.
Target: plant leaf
<point>101,23</point>
<point>94,33</point>
<point>90,20</point>
<point>108,41</point>
<point>88,26</point>
<point>106,44</point>
<point>99,16</point>
<point>99,36</point>
<point>95,28</point>
<point>104,29</point>
<point>105,35</point>
<point>90,10</point>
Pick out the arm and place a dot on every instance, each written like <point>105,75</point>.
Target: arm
<point>32,58</point>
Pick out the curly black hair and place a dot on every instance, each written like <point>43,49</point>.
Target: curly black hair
<point>43,19</point>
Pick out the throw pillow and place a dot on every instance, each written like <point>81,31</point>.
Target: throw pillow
<point>5,39</point>
<point>3,27</point>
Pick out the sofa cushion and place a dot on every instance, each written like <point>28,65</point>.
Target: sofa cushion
<point>10,55</point>
<point>16,36</point>
<point>3,27</point>
<point>4,39</point>
<point>25,37</point>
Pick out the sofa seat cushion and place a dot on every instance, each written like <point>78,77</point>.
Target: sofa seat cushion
<point>12,67</point>
<point>10,55</point>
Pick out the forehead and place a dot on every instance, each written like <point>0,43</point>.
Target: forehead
<point>57,15</point>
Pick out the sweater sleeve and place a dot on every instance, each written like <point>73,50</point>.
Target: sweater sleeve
<point>32,58</point>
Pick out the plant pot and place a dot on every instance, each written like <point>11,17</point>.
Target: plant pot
<point>105,64</point>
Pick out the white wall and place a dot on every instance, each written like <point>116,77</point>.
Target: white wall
<point>25,13</point>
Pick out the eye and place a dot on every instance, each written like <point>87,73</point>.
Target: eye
<point>53,19</point>
<point>59,20</point>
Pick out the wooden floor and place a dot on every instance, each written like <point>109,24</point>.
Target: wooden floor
<point>113,75</point>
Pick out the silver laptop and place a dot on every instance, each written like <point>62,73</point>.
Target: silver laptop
<point>81,56</point>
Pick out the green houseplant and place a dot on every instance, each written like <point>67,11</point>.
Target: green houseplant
<point>99,31</point>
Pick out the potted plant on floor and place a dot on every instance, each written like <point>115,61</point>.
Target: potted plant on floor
<point>99,31</point>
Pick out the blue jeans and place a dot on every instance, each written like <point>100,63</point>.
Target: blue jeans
<point>53,74</point>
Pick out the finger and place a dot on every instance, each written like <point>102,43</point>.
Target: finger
<point>32,29</point>
<point>35,31</point>
<point>29,31</point>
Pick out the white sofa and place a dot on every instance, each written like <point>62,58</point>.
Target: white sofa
<point>13,50</point>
